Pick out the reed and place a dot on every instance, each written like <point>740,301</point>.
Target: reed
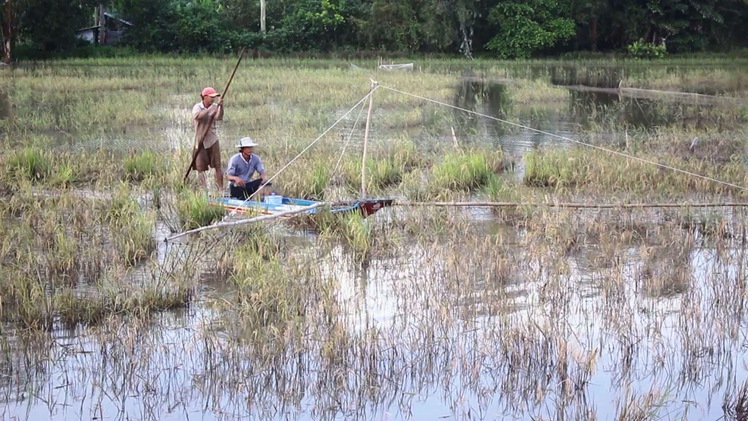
<point>581,169</point>
<point>133,238</point>
<point>737,408</point>
<point>463,171</point>
<point>195,210</point>
<point>141,165</point>
<point>29,163</point>
<point>265,296</point>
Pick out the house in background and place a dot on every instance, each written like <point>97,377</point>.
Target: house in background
<point>107,29</point>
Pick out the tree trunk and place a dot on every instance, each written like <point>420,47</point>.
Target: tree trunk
<point>7,25</point>
<point>466,46</point>
<point>593,34</point>
<point>262,17</point>
<point>101,23</point>
<point>466,19</point>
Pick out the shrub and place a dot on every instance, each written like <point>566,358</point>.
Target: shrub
<point>646,50</point>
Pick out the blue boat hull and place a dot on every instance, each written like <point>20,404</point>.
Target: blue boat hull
<point>278,204</point>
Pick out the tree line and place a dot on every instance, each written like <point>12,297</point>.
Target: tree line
<point>497,28</point>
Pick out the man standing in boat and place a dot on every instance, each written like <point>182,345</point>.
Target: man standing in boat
<point>242,167</point>
<point>204,116</point>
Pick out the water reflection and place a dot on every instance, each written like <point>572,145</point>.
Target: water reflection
<point>599,77</point>
<point>606,114</point>
<point>493,99</point>
<point>485,97</point>
<point>609,110</point>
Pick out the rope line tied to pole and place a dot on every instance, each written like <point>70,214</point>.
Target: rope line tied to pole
<point>361,101</point>
<point>601,148</point>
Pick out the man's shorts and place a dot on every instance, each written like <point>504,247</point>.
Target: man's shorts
<point>210,157</point>
<point>245,191</point>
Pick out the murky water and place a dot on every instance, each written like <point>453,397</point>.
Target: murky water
<point>584,110</point>
<point>474,352</point>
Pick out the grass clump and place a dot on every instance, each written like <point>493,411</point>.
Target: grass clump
<point>265,295</point>
<point>131,227</point>
<point>561,168</point>
<point>383,173</point>
<point>195,210</point>
<point>318,181</point>
<point>141,165</point>
<point>29,164</point>
<point>93,308</point>
<point>464,171</point>
<point>356,232</point>
<point>379,174</point>
<point>134,239</point>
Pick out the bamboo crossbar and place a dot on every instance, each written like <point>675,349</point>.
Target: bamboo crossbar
<point>575,205</point>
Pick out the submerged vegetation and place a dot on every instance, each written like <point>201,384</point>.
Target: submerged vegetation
<point>600,277</point>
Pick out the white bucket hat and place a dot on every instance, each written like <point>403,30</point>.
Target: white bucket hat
<point>246,142</point>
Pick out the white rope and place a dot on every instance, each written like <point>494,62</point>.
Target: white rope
<point>647,161</point>
<point>348,140</point>
<point>371,92</point>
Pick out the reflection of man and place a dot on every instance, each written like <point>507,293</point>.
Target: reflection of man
<point>204,115</point>
<point>242,167</point>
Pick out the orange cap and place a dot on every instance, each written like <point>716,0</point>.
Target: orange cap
<point>210,92</point>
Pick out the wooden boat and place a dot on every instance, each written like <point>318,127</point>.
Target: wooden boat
<point>277,204</point>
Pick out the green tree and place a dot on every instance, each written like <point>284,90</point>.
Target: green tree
<point>50,25</point>
<point>152,28</point>
<point>392,26</point>
<point>524,27</point>
<point>448,25</point>
<point>466,11</point>
<point>313,25</point>
<point>588,14</point>
<point>46,25</point>
<point>8,13</point>
<point>438,25</point>
<point>199,26</point>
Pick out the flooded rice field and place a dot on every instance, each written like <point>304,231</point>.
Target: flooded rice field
<point>552,253</point>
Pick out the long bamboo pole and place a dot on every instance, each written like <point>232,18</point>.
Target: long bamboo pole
<point>573,205</point>
<point>201,136</point>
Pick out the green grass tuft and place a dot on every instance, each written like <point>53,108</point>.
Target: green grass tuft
<point>141,165</point>
<point>463,171</point>
<point>195,210</point>
<point>30,164</point>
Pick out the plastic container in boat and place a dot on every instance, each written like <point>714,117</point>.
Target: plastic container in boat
<point>274,199</point>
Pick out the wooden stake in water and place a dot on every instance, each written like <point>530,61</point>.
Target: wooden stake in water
<point>366,140</point>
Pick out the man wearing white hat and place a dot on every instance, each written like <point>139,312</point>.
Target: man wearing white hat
<point>242,167</point>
